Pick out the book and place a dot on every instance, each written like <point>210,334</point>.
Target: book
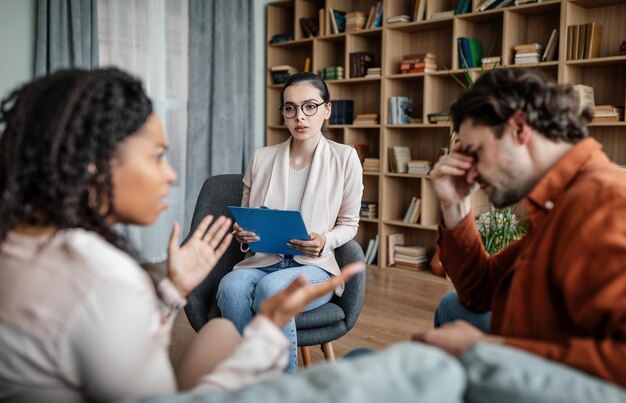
<point>362,150</point>
<point>370,17</point>
<point>392,241</point>
<point>322,21</point>
<point>439,15</point>
<point>374,252</point>
<point>582,37</point>
<point>415,213</point>
<point>378,17</point>
<point>419,10</point>
<point>402,156</point>
<point>551,47</point>
<point>398,18</point>
<point>307,64</point>
<point>593,40</point>
<point>409,210</point>
<point>281,73</point>
<point>485,4</point>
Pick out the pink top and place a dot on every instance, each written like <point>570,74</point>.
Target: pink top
<point>80,320</point>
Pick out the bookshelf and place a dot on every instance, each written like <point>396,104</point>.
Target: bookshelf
<point>498,30</point>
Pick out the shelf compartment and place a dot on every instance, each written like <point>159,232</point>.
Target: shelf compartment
<point>423,143</point>
<point>401,43</point>
<point>279,20</point>
<point>364,135</point>
<point>368,229</point>
<point>414,234</point>
<point>611,15</point>
<point>329,52</point>
<point>412,88</point>
<point>487,29</point>
<point>442,91</point>
<point>530,25</point>
<point>608,81</point>
<point>365,94</point>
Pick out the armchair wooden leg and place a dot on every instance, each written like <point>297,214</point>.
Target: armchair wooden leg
<point>306,356</point>
<point>329,353</point>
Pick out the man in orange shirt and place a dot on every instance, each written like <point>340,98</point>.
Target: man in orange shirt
<point>560,292</point>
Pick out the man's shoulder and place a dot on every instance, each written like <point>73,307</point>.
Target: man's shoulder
<point>600,188</point>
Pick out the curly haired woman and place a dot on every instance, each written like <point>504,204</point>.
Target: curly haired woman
<point>79,319</point>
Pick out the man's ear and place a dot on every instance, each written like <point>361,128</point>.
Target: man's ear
<point>523,132</point>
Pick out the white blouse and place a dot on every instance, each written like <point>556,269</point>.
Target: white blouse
<point>80,320</point>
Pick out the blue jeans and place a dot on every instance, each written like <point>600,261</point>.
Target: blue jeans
<point>242,292</point>
<point>450,309</point>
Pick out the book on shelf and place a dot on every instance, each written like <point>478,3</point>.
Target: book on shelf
<point>419,10</point>
<point>307,64</point>
<point>281,73</point>
<point>332,73</point>
<point>373,72</point>
<point>362,150</point>
<point>409,210</point>
<point>355,21</point>
<point>410,256</point>
<point>321,17</point>
<point>372,251</point>
<point>419,167</point>
<point>365,119</point>
<point>584,40</point>
<point>442,117</point>
<point>370,17</point>
<point>493,4</point>
<point>523,2</point>
<point>418,63</point>
<point>392,241</point>
<point>360,62</point>
<point>608,114</point>
<point>440,15</point>
<point>463,7</point>
<point>549,54</point>
<point>399,157</point>
<point>378,16</point>
<point>400,110</point>
<point>337,20</point>
<point>342,112</point>
<point>398,19</point>
<point>528,53</point>
<point>490,63</point>
<point>585,96</point>
<point>371,165</point>
<point>470,52</point>
<point>369,210</point>
<point>309,27</point>
<point>278,38</point>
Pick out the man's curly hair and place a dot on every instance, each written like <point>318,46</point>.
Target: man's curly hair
<point>58,135</point>
<point>549,108</point>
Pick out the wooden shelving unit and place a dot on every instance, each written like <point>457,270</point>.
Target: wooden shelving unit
<point>498,30</point>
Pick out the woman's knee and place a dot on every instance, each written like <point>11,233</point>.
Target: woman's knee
<point>266,288</point>
<point>235,285</point>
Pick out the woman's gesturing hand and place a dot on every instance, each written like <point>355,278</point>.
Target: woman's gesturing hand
<point>312,248</point>
<point>188,265</point>
<point>291,301</point>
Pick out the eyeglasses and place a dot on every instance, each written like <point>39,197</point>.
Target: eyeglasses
<point>308,108</point>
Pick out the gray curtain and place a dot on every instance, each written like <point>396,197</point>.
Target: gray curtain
<point>221,105</point>
<point>67,35</point>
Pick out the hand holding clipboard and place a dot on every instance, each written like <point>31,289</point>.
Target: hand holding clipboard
<point>275,231</point>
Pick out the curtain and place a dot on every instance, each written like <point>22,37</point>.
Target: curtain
<point>149,39</point>
<point>67,35</point>
<point>221,93</point>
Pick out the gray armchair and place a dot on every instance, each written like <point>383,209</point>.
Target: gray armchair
<point>317,327</point>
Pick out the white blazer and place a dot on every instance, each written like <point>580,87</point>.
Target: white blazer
<point>330,204</point>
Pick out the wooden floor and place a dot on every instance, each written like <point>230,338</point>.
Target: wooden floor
<point>397,303</point>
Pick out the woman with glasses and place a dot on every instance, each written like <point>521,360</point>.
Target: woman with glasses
<point>79,319</point>
<point>320,178</point>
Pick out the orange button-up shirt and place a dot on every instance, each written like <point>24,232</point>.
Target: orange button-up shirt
<point>560,292</point>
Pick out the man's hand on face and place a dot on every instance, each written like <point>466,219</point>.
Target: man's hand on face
<point>455,338</point>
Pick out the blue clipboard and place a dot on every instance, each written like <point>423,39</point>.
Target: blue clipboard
<point>274,227</point>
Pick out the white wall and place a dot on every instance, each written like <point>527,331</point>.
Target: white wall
<point>259,72</point>
<point>17,43</point>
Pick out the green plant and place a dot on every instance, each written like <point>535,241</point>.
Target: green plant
<point>498,228</point>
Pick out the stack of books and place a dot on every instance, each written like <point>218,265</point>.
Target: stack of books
<point>371,165</point>
<point>400,110</point>
<point>399,157</point>
<point>528,53</point>
<point>343,110</point>
<point>412,213</point>
<point>490,63</point>
<point>360,62</point>
<point>608,114</point>
<point>585,96</point>
<point>418,63</point>
<point>372,251</point>
<point>373,72</point>
<point>396,19</point>
<point>281,73</point>
<point>369,210</point>
<point>583,41</point>
<point>332,73</point>
<point>419,167</point>
<point>442,117</point>
<point>366,119</point>
<point>355,21</point>
<point>410,257</point>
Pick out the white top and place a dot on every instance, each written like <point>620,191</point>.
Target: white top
<point>80,320</point>
<point>297,184</point>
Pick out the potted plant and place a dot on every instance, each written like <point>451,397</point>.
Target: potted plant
<point>498,228</point>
